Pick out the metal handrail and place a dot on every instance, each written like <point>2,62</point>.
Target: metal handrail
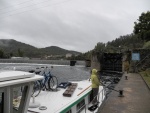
<point>103,92</point>
<point>142,60</point>
<point>82,107</point>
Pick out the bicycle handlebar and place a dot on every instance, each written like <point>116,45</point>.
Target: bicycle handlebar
<point>37,72</point>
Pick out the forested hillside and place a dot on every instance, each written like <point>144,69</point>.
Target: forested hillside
<point>9,48</point>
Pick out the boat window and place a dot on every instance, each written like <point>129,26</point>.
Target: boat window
<point>17,94</point>
<point>80,106</point>
<point>69,111</point>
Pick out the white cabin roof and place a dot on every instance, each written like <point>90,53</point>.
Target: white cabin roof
<point>8,78</point>
<point>11,75</point>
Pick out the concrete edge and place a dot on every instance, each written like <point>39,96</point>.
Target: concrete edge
<point>144,81</point>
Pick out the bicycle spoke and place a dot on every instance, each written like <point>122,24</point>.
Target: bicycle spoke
<point>53,83</point>
<point>36,88</point>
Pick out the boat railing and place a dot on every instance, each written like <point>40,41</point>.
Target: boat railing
<point>101,94</point>
<point>84,106</point>
<point>100,97</point>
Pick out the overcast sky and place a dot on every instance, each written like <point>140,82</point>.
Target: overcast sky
<point>70,24</point>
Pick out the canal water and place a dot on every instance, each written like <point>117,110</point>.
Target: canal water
<point>64,73</point>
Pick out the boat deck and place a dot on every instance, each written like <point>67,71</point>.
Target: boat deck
<point>56,102</point>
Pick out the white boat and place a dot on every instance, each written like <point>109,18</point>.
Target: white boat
<point>54,101</point>
<point>78,102</point>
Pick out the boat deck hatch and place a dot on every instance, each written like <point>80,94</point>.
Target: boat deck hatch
<point>70,90</point>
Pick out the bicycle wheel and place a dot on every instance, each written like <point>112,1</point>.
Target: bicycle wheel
<point>53,83</point>
<point>36,88</point>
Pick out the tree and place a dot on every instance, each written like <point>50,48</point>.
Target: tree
<point>11,54</point>
<point>142,27</point>
<point>124,43</point>
<point>147,45</point>
<point>1,54</point>
<point>100,47</point>
<point>20,53</point>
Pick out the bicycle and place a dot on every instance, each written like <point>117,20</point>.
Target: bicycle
<point>49,82</point>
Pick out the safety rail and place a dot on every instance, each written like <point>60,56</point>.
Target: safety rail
<point>100,97</point>
<point>140,62</point>
<point>143,60</point>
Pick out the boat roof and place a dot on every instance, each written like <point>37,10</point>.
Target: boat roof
<point>11,75</point>
<point>8,78</point>
<point>57,103</point>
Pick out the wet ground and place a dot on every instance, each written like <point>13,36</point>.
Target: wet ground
<point>136,96</point>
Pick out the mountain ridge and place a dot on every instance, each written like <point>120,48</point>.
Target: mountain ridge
<point>11,46</point>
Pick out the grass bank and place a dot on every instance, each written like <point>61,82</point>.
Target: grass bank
<point>146,76</point>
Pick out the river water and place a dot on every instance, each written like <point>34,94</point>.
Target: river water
<point>64,73</point>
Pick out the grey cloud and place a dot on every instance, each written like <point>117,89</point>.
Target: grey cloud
<point>75,25</point>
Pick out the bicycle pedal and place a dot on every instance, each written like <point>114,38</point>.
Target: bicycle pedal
<point>43,89</point>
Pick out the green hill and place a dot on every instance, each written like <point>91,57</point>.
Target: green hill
<point>12,47</point>
<point>54,50</point>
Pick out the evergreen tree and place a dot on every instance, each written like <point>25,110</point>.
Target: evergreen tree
<point>1,54</point>
<point>142,27</point>
<point>20,53</point>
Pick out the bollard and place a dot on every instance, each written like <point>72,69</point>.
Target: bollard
<point>121,93</point>
<point>126,77</point>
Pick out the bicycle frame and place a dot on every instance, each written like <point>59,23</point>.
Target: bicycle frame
<point>49,74</point>
<point>46,78</point>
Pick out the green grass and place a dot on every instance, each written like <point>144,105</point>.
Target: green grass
<point>146,76</point>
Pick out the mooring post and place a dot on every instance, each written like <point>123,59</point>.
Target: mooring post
<point>121,93</point>
<point>126,77</point>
